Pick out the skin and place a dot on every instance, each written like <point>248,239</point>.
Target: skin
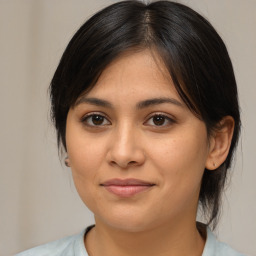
<point>129,143</point>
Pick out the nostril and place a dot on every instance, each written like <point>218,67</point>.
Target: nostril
<point>125,159</point>
<point>124,164</point>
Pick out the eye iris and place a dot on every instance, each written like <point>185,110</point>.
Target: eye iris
<point>158,120</point>
<point>97,120</point>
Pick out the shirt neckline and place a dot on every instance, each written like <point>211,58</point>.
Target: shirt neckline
<point>209,247</point>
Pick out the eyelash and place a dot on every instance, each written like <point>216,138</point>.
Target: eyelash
<point>85,118</point>
<point>167,119</point>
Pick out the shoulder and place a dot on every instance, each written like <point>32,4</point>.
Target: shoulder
<point>214,247</point>
<point>68,246</point>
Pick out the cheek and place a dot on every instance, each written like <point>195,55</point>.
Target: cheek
<point>181,163</point>
<point>85,152</point>
<point>85,161</point>
<point>84,166</point>
<point>86,155</point>
<point>179,153</point>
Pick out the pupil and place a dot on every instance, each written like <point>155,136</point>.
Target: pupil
<point>97,120</point>
<point>158,120</point>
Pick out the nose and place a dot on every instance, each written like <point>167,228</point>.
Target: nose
<point>125,148</point>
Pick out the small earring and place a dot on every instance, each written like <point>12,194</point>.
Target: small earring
<point>67,162</point>
<point>214,164</point>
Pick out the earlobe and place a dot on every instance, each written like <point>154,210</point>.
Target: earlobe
<point>67,162</point>
<point>220,143</point>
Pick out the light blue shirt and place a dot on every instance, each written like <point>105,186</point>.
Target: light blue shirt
<point>74,246</point>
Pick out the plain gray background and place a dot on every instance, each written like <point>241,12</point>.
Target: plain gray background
<point>38,202</point>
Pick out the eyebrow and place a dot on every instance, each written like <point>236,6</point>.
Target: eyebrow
<point>157,101</point>
<point>94,101</point>
<point>139,105</point>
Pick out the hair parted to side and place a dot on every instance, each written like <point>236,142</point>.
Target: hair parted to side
<point>192,51</point>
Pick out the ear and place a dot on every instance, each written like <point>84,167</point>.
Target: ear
<point>220,142</point>
<point>67,161</point>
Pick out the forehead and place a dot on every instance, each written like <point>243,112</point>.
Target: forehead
<point>139,74</point>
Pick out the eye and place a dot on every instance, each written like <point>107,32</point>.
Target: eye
<point>160,120</point>
<point>95,120</point>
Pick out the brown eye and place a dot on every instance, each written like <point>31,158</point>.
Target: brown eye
<point>158,120</point>
<point>95,120</point>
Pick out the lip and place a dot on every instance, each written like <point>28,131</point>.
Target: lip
<point>126,182</point>
<point>126,187</point>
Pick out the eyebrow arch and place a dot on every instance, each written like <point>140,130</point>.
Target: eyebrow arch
<point>94,101</point>
<point>139,105</point>
<point>157,101</point>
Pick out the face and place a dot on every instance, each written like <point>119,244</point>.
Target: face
<point>136,152</point>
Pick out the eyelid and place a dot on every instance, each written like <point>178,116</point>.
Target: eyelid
<point>171,120</point>
<point>166,116</point>
<point>90,114</point>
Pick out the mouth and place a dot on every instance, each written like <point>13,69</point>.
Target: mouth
<point>127,187</point>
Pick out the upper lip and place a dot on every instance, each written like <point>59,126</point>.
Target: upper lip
<point>126,182</point>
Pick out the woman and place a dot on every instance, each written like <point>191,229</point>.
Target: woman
<point>145,105</point>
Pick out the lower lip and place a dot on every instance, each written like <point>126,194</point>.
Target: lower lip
<point>127,191</point>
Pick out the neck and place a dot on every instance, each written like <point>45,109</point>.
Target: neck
<point>178,240</point>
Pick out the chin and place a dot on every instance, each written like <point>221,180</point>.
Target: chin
<point>126,222</point>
